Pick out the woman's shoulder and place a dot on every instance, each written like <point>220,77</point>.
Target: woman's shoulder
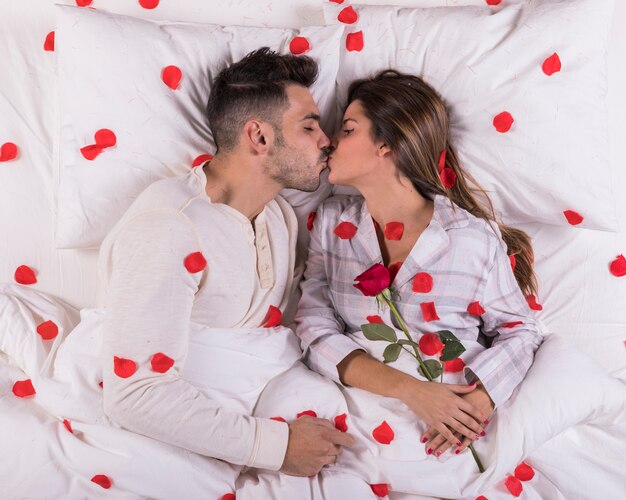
<point>339,203</point>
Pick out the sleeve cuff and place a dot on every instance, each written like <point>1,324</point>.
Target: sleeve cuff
<point>270,444</point>
<point>472,376</point>
<point>327,353</point>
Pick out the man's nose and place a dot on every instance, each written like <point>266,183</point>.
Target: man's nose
<point>325,143</point>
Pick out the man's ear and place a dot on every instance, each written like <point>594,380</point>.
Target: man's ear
<point>258,136</point>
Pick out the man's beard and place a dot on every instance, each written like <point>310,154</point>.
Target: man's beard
<point>290,169</point>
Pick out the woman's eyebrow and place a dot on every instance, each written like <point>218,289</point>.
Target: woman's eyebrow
<point>350,119</point>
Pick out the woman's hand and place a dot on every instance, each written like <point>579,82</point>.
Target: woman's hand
<point>479,399</point>
<point>442,407</point>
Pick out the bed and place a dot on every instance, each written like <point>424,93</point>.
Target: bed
<point>49,247</point>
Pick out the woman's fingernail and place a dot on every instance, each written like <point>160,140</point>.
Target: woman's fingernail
<point>429,451</point>
<point>457,452</point>
<point>458,443</point>
<point>424,440</point>
<point>476,437</point>
<point>438,454</point>
<point>483,433</point>
<point>486,421</point>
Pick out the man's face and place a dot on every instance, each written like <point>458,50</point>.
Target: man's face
<point>300,150</point>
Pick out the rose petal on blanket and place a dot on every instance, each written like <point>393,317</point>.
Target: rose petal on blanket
<point>475,309</point>
<point>393,270</point>
<point>201,160</point>
<point>429,311</point>
<point>493,2</point>
<point>422,283</point>
<point>171,76</point>
<point>23,388</point>
<point>310,413</point>
<point>161,363</point>
<point>299,45</point>
<point>383,433</point>
<point>101,384</point>
<point>503,122</point>
<point>551,65</point>
<point>48,330</point>
<point>448,178</point>
<point>228,496</point>
<point>354,41</point>
<point>48,44</point>
<point>105,138</point>
<point>512,324</point>
<point>278,419</point>
<point>91,152</point>
<point>336,1</point>
<point>532,303</point>
<point>380,490</point>
<point>375,319</point>
<point>453,366</point>
<point>442,161</point>
<point>573,218</point>
<point>348,16</point>
<point>124,368</point>
<point>273,317</point>
<point>310,220</point>
<point>8,151</point>
<point>340,422</point>
<point>195,262</point>
<point>149,4</point>
<point>514,486</point>
<point>481,497</point>
<point>394,231</point>
<point>524,472</point>
<point>83,3</point>
<point>102,480</point>
<point>24,275</point>
<point>68,425</point>
<point>430,344</point>
<point>512,261</point>
<point>618,266</point>
<point>345,230</point>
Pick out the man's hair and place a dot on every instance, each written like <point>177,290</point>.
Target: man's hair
<point>254,87</point>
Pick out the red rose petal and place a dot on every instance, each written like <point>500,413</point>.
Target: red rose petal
<point>273,317</point>
<point>394,231</point>
<point>171,76</point>
<point>83,3</point>
<point>228,496</point>
<point>514,486</point>
<point>201,160</point>
<point>429,311</point>
<point>101,384</point>
<point>380,490</point>
<point>340,422</point>
<point>454,365</point>
<point>481,497</point>
<point>48,330</point>
<point>311,413</point>
<point>574,218</point>
<point>8,152</point>
<point>354,41</point>
<point>524,472</point>
<point>493,2</point>
<point>149,4</point>
<point>49,42</point>
<point>347,16</point>
<point>24,275</point>
<point>422,283</point>
<point>336,1</point>
<point>345,230</point>
<point>512,261</point>
<point>68,425</point>
<point>383,433</point>
<point>618,266</point>
<point>551,65</point>
<point>23,388</point>
<point>309,221</point>
<point>105,138</point>
<point>448,178</point>
<point>375,319</point>
<point>532,303</point>
<point>161,363</point>
<point>195,262</point>
<point>124,368</point>
<point>442,161</point>
<point>278,419</point>
<point>91,152</point>
<point>430,344</point>
<point>475,309</point>
<point>512,324</point>
<point>393,270</point>
<point>503,122</point>
<point>102,480</point>
<point>299,45</point>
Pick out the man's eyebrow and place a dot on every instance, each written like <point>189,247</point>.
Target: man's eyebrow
<point>311,116</point>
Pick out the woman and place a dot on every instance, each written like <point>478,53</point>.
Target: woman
<point>448,257</point>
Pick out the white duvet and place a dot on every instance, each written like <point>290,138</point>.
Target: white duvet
<point>567,420</point>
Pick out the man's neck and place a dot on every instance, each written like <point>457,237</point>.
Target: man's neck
<point>240,182</point>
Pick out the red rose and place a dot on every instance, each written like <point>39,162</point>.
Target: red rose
<point>374,280</point>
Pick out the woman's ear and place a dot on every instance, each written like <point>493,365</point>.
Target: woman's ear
<point>383,150</point>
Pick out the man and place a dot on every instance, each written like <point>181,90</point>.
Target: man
<point>216,247</point>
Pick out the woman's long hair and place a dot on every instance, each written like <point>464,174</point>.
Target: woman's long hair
<point>410,117</point>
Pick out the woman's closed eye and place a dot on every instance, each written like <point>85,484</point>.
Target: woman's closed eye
<point>347,131</point>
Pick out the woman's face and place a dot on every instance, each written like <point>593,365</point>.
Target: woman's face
<point>355,156</point>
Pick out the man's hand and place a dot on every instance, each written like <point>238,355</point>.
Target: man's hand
<point>313,443</point>
<point>478,398</point>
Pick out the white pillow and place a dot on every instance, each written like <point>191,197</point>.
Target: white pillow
<point>110,70</point>
<point>555,157</point>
